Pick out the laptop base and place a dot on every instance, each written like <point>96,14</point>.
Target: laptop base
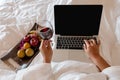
<point>62,55</point>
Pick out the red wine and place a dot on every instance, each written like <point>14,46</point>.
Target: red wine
<point>46,33</point>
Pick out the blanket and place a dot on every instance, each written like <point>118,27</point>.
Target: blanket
<point>65,70</point>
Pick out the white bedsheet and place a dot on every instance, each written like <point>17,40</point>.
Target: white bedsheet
<point>18,16</point>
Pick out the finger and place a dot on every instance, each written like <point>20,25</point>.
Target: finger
<point>84,46</point>
<point>93,41</point>
<point>49,43</point>
<point>87,43</point>
<point>98,42</point>
<point>46,43</point>
<point>41,43</point>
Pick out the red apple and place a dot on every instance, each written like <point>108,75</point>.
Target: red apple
<point>27,38</point>
<point>34,41</point>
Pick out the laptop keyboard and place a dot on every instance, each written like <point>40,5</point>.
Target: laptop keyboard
<point>72,42</point>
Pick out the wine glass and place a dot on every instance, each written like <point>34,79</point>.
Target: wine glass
<point>45,29</point>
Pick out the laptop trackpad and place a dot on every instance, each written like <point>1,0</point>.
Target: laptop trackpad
<point>78,55</point>
<point>61,55</point>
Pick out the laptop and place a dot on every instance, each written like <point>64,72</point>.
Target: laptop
<point>73,24</point>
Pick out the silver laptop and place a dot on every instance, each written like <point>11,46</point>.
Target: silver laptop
<point>73,24</point>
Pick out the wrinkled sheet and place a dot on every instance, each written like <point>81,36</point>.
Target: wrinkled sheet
<point>18,16</point>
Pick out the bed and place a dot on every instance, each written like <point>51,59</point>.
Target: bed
<point>17,18</point>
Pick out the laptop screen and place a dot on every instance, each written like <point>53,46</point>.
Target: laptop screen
<point>77,20</point>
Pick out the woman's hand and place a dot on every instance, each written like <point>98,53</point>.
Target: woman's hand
<point>46,50</point>
<point>92,48</point>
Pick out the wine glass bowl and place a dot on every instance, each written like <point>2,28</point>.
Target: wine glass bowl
<point>45,29</point>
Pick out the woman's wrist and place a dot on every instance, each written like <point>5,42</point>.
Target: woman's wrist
<point>94,56</point>
<point>100,62</point>
<point>47,60</point>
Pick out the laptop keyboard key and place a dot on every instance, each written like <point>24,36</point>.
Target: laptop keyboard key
<point>71,42</point>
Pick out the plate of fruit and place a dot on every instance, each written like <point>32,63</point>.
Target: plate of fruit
<point>29,45</point>
<point>21,55</point>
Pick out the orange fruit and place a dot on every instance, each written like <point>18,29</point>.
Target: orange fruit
<point>29,52</point>
<point>26,45</point>
<point>21,53</point>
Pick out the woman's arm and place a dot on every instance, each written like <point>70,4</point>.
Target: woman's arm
<point>46,51</point>
<point>92,49</point>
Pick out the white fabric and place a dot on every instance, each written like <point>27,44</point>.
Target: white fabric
<point>74,70</point>
<point>109,31</point>
<point>113,72</point>
<point>36,72</point>
<point>18,16</point>
<point>66,70</point>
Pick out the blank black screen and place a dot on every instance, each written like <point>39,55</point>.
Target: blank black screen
<point>78,20</point>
